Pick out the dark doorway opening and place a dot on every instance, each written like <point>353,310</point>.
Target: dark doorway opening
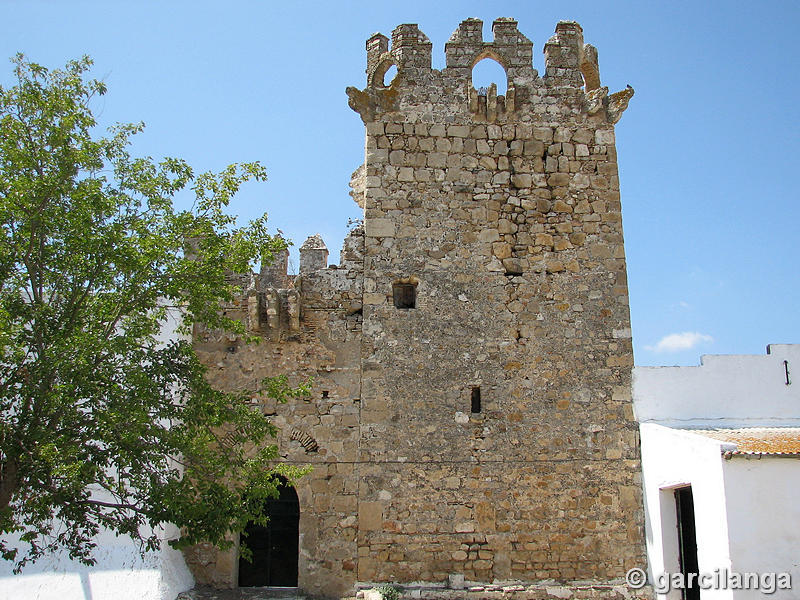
<point>687,542</point>
<point>274,545</point>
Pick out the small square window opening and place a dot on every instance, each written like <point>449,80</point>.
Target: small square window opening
<point>404,295</point>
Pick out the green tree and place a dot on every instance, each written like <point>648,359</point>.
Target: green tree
<point>102,425</point>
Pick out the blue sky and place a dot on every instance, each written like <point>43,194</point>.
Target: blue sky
<point>708,149</point>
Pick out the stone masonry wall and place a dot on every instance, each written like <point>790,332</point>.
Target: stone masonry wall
<point>310,327</point>
<point>504,212</point>
<point>485,434</point>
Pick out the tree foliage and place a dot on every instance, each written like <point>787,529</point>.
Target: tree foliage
<point>101,423</point>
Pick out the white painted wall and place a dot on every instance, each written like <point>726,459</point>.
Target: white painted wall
<point>674,458</point>
<point>724,391</point>
<point>764,517</point>
<point>121,573</point>
<point>746,510</point>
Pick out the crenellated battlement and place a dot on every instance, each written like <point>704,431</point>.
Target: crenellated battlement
<point>313,255</point>
<point>411,48</point>
<point>276,305</point>
<point>410,51</point>
<point>563,53</point>
<point>510,48</point>
<point>570,67</point>
<point>377,51</point>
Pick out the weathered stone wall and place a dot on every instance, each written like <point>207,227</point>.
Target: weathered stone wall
<point>310,327</point>
<point>502,214</point>
<point>505,214</point>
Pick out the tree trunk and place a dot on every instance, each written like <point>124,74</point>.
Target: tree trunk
<point>8,482</point>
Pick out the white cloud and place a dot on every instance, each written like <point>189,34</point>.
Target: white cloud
<point>680,305</point>
<point>675,342</point>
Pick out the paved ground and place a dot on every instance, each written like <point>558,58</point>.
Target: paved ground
<point>479,592</point>
<point>207,593</point>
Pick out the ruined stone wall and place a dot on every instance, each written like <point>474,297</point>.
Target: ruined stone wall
<point>471,418</point>
<point>309,327</point>
<point>504,212</point>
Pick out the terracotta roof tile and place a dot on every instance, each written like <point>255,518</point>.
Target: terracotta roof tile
<point>777,441</point>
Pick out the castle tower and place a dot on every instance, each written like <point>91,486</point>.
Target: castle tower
<point>470,418</point>
<point>497,437</point>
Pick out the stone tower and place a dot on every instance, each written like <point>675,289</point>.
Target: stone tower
<point>472,352</point>
<point>497,438</point>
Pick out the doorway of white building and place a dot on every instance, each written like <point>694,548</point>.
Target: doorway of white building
<point>687,542</point>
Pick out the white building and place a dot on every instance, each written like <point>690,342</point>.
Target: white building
<point>721,464</point>
<point>121,572</point>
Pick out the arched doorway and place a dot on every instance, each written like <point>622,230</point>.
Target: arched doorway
<point>274,545</point>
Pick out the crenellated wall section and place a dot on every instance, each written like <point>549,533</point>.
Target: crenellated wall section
<point>310,326</point>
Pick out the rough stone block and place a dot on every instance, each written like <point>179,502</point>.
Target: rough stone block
<point>370,516</point>
<point>405,174</point>
<point>604,137</point>
<point>379,227</point>
<point>521,180</point>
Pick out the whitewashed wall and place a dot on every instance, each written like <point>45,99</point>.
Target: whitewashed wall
<point>121,573</point>
<point>763,505</point>
<point>673,458</point>
<point>724,391</point>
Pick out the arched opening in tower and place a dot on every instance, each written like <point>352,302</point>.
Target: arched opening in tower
<point>486,72</point>
<point>389,75</point>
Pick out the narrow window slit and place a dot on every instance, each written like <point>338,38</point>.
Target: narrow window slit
<point>476,399</point>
